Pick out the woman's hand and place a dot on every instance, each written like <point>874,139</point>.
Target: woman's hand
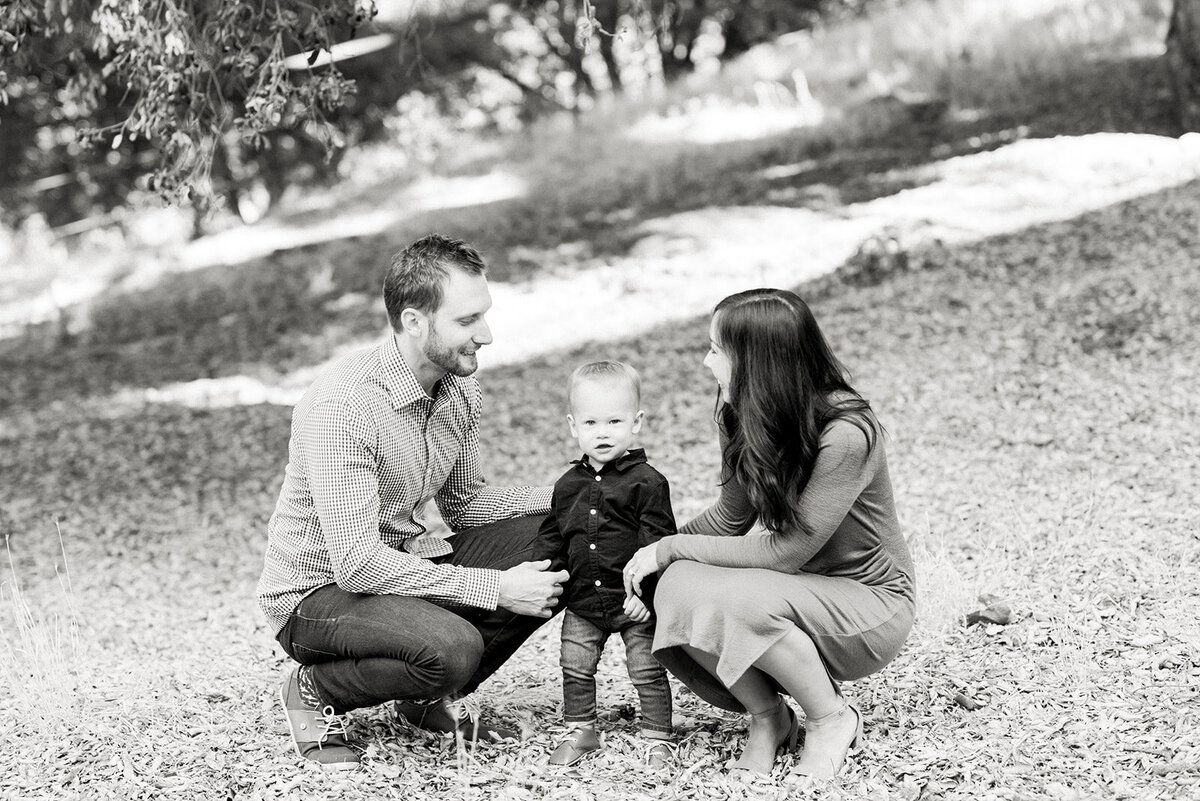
<point>643,563</point>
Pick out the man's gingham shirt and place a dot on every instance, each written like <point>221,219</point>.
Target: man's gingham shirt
<point>368,447</point>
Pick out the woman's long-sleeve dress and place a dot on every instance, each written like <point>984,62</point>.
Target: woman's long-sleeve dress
<point>846,579</point>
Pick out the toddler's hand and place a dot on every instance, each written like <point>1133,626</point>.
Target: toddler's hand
<point>636,609</point>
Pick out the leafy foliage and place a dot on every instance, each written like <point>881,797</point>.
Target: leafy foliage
<point>192,99</point>
<point>167,85</point>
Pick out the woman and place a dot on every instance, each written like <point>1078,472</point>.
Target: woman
<point>826,594</point>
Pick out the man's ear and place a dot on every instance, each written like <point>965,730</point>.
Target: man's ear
<point>637,420</point>
<point>571,423</point>
<point>414,323</point>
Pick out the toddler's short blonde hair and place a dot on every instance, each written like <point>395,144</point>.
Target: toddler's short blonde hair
<point>606,371</point>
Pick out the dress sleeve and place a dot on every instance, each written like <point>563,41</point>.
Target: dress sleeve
<point>841,472</point>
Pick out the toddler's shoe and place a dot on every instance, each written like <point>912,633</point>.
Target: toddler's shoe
<point>582,741</point>
<point>660,756</point>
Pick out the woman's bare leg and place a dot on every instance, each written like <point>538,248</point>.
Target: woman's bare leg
<point>795,663</point>
<point>770,723</point>
<point>830,726</point>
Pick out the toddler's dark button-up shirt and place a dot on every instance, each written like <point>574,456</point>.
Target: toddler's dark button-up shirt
<point>601,519</point>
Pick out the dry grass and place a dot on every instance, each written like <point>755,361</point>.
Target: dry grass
<point>40,659</point>
<point>986,63</point>
<point>1028,465</point>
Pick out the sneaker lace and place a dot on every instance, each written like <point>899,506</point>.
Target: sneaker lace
<point>466,714</point>
<point>464,709</point>
<point>332,725</point>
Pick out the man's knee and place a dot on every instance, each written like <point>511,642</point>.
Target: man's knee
<point>450,660</point>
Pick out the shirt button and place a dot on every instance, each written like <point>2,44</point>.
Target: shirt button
<point>592,546</point>
<point>597,478</point>
<point>591,511</point>
<point>597,582</point>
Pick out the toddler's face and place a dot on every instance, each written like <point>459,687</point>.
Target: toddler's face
<point>604,419</point>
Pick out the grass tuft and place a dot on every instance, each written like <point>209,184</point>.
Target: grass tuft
<point>41,652</point>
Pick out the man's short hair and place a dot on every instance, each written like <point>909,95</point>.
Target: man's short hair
<point>608,372</point>
<point>417,274</point>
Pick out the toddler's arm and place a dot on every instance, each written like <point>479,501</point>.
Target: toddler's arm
<point>656,520</point>
<point>654,512</point>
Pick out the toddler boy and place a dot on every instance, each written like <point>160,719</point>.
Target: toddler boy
<point>609,504</point>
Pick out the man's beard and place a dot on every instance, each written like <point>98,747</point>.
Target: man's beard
<point>448,359</point>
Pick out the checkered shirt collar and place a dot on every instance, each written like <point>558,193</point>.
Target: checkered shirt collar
<point>401,383</point>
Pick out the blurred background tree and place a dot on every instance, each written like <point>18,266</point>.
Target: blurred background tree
<point>1183,60</point>
<point>228,103</point>
<point>169,95</point>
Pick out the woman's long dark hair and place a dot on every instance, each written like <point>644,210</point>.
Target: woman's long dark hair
<point>785,387</point>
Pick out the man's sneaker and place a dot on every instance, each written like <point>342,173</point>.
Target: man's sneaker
<point>448,717</point>
<point>318,734</point>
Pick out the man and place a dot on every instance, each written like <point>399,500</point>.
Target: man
<point>373,603</point>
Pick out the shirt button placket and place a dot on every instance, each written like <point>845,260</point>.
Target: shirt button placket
<point>593,529</point>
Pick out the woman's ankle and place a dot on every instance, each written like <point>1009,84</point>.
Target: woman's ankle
<point>770,712</point>
<point>839,710</point>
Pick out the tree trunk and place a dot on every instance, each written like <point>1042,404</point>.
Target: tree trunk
<point>608,14</point>
<point>677,25</point>
<point>572,54</point>
<point>1183,61</point>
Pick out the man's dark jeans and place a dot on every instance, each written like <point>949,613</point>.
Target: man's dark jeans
<point>368,649</point>
<point>583,642</point>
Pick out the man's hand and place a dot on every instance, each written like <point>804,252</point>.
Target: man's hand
<point>530,588</point>
<point>643,563</point>
<point>636,610</point>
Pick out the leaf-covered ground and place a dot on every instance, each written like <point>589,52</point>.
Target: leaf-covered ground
<point>1040,391</point>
